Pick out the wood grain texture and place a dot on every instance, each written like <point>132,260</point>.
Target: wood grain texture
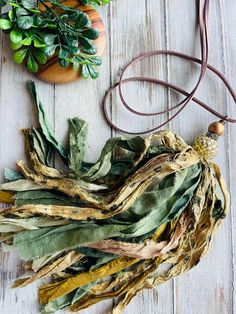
<point>52,72</point>
<point>211,279</point>
<point>131,30</point>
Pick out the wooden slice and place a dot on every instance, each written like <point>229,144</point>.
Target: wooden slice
<point>52,72</point>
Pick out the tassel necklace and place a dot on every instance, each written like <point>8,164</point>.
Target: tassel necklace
<point>105,230</point>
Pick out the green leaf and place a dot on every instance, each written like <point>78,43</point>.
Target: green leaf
<point>73,15</point>
<point>40,22</point>
<point>78,130</point>
<point>73,50</point>
<point>28,4</point>
<point>90,51</point>
<point>64,17</point>
<point>25,22</point>
<point>63,54</point>
<point>91,33</point>
<point>16,36</point>
<point>38,43</point>
<point>19,55</point>
<point>50,50</point>
<point>40,57</point>
<point>86,43</point>
<point>32,65</point>
<point>63,63</point>
<point>27,41</point>
<point>44,124</point>
<point>5,24</point>
<point>96,60</point>
<point>73,42</point>
<point>49,38</point>
<point>76,65</point>
<point>82,21</point>
<point>11,15</point>
<point>93,72</point>
<point>85,72</point>
<point>52,26</point>
<point>21,12</point>
<point>15,46</point>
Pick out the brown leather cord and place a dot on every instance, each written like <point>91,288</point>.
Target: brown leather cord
<point>203,25</point>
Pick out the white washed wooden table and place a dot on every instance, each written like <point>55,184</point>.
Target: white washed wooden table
<point>135,26</point>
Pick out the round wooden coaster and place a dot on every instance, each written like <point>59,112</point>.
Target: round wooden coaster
<point>52,72</point>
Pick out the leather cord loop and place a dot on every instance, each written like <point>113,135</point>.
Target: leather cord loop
<point>189,96</point>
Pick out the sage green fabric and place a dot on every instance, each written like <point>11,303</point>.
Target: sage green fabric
<point>42,147</point>
<point>145,202</point>
<point>44,123</point>
<point>45,197</point>
<point>164,202</point>
<point>78,130</point>
<point>12,175</point>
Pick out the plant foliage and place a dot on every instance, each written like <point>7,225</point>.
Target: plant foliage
<point>43,29</point>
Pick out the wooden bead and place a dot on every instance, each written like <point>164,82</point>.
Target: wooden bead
<point>217,128</point>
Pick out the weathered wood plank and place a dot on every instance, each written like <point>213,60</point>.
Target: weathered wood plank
<point>16,112</point>
<point>207,288</point>
<point>228,12</point>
